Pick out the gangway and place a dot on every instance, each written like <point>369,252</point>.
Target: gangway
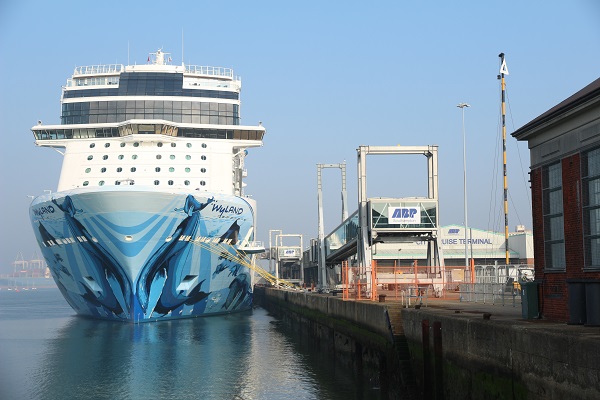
<point>386,221</point>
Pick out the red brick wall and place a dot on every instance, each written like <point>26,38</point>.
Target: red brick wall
<point>553,293</point>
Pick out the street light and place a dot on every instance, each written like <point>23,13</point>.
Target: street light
<point>462,107</point>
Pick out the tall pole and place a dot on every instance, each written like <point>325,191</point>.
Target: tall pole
<point>462,106</point>
<point>503,71</point>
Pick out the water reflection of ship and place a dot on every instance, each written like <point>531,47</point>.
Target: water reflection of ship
<point>140,360</point>
<point>27,274</point>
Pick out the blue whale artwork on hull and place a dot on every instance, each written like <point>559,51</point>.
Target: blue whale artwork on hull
<point>170,276</point>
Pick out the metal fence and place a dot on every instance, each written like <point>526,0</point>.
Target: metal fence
<point>490,293</point>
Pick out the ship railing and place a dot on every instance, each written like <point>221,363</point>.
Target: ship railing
<point>99,69</point>
<point>210,71</point>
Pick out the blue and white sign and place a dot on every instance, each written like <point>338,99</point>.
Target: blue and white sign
<point>404,215</point>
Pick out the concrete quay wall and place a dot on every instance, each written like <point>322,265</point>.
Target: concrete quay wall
<point>461,355</point>
<point>367,314</point>
<point>356,334</point>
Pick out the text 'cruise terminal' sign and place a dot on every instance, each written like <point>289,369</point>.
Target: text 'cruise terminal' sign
<point>404,215</point>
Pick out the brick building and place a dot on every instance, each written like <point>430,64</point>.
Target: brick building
<point>564,145</point>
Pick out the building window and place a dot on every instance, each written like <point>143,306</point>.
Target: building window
<point>554,242</point>
<point>591,207</point>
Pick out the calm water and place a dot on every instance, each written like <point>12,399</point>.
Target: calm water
<point>46,352</point>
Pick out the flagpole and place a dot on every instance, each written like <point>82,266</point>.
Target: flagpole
<point>503,71</point>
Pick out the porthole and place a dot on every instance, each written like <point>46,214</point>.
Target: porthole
<point>170,182</point>
<point>156,182</point>
<point>122,145</point>
<point>85,183</point>
<point>133,169</point>
<point>105,157</point>
<point>203,170</point>
<point>121,156</point>
<point>87,170</point>
<point>188,145</point>
<point>187,183</point>
<point>203,158</point>
<point>187,170</point>
<point>171,169</point>
<point>157,169</point>
<point>173,144</point>
<point>136,144</point>
<point>103,170</point>
<point>119,169</point>
<point>92,145</point>
<point>90,157</point>
<point>159,144</point>
<point>203,145</point>
<point>158,156</point>
<point>202,183</point>
<point>134,157</point>
<point>172,156</point>
<point>106,144</point>
<point>101,183</point>
<point>188,157</point>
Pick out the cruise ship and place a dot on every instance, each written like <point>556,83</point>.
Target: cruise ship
<point>150,220</point>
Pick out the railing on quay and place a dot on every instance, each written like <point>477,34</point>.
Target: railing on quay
<point>490,293</point>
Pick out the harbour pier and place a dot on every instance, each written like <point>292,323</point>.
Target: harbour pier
<point>445,348</point>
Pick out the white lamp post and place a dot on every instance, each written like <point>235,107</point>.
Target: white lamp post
<point>462,107</point>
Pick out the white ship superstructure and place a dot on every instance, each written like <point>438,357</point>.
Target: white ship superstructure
<point>150,219</point>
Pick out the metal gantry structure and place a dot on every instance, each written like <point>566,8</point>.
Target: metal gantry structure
<point>322,267</point>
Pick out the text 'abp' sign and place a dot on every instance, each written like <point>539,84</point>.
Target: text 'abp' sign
<point>404,215</point>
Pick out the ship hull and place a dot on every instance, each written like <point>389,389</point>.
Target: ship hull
<point>135,255</point>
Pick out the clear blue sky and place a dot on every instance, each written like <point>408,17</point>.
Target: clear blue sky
<point>324,78</point>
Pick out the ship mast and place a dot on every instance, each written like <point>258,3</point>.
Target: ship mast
<point>504,71</point>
